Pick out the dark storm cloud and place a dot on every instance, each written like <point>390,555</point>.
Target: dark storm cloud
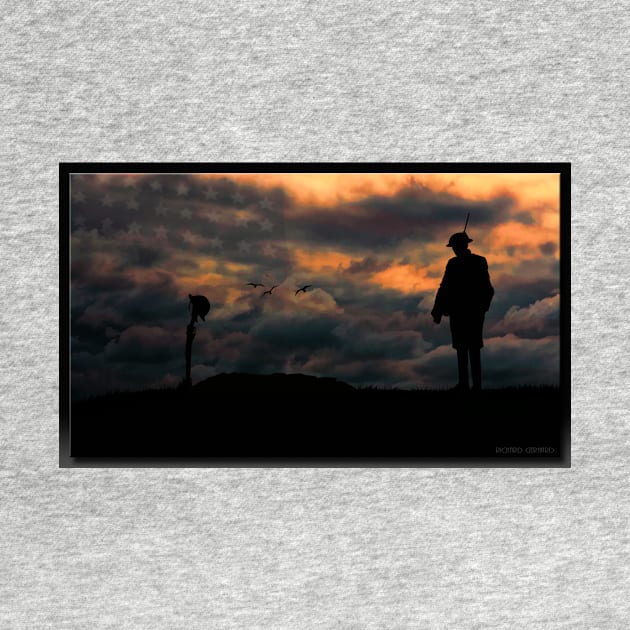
<point>84,273</point>
<point>549,248</point>
<point>141,256</point>
<point>369,264</point>
<point>99,316</point>
<point>158,301</point>
<point>353,292</point>
<point>378,221</point>
<point>510,361</point>
<point>297,331</point>
<point>510,292</point>
<point>520,251</point>
<point>507,361</point>
<point>525,217</point>
<point>540,319</point>
<point>531,280</point>
<point>145,344</point>
<point>242,321</point>
<point>372,298</point>
<point>385,301</point>
<point>361,343</point>
<point>535,268</point>
<point>95,374</point>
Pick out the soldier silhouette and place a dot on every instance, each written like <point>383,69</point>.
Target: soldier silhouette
<point>464,296</point>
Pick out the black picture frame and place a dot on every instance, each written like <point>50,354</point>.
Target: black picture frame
<point>562,456</point>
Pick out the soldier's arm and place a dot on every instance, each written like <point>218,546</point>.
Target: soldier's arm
<point>489,289</point>
<point>439,307</point>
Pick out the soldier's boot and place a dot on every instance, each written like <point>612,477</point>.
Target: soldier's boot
<point>462,368</point>
<point>475,368</point>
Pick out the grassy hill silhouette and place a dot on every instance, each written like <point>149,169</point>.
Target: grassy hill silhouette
<point>272,384</point>
<point>295,415</point>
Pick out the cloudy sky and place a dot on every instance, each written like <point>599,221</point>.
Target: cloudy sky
<point>371,245</point>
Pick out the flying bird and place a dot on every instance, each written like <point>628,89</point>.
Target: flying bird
<point>303,289</point>
<point>270,290</point>
<point>255,284</point>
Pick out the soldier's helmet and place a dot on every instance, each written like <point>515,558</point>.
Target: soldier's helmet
<point>200,306</point>
<point>459,239</point>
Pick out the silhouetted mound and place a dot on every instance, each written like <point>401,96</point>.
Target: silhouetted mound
<point>271,384</point>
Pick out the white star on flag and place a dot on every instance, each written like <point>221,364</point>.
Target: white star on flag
<point>129,182</point>
<point>155,212</point>
<point>266,225</point>
<point>268,250</point>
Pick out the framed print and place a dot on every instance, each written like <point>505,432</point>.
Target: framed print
<point>385,314</point>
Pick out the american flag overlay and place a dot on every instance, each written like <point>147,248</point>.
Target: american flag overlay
<point>233,224</point>
<point>327,274</point>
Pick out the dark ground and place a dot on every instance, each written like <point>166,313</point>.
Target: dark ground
<point>295,416</point>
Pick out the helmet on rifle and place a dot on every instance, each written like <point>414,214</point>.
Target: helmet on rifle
<point>459,239</point>
<point>200,306</point>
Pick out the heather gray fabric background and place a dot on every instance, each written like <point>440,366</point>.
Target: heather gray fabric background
<point>313,548</point>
